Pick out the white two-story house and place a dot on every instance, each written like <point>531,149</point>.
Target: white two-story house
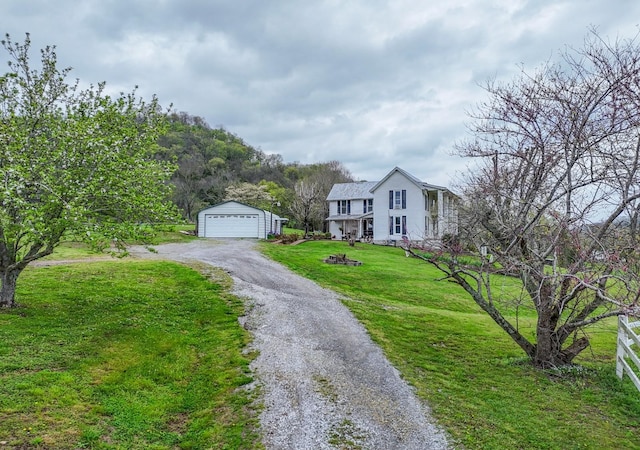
<point>397,207</point>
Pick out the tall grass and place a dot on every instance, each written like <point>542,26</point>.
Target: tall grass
<point>476,380</point>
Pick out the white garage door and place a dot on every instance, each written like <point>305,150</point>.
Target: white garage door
<point>231,225</point>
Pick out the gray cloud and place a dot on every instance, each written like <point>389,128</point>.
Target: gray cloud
<point>373,84</point>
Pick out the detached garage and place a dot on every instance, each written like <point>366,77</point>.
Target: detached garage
<point>236,220</point>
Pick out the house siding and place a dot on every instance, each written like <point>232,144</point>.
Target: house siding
<point>420,212</point>
<point>342,223</point>
<point>352,223</point>
<point>413,210</point>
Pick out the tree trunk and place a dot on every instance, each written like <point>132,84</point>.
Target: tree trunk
<point>550,340</point>
<point>549,351</point>
<point>8,287</point>
<point>546,352</point>
<point>306,227</point>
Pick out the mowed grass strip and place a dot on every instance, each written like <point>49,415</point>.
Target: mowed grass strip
<point>69,250</point>
<point>124,355</point>
<point>476,380</point>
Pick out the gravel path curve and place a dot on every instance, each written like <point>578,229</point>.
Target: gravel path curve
<point>325,384</point>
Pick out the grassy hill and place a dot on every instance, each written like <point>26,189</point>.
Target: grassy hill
<point>126,354</point>
<point>475,378</point>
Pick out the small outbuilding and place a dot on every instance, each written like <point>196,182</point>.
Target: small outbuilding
<point>233,219</point>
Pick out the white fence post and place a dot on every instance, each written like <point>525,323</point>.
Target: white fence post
<point>626,339</point>
<point>622,337</point>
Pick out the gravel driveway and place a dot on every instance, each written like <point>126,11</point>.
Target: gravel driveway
<point>325,384</point>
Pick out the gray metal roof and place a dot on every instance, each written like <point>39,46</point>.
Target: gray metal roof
<point>351,191</point>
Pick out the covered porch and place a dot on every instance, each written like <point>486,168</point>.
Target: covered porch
<point>358,227</point>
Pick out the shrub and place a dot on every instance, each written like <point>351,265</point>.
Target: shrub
<point>289,238</point>
<point>317,235</point>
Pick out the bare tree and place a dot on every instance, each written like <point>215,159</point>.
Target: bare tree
<point>193,181</point>
<point>309,206</point>
<point>307,202</point>
<point>554,197</point>
<point>325,177</point>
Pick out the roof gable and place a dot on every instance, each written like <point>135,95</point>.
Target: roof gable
<point>419,184</point>
<point>405,174</point>
<point>231,201</point>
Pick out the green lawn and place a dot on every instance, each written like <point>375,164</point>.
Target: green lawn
<point>71,250</point>
<point>127,354</point>
<point>475,378</point>
<point>124,355</point>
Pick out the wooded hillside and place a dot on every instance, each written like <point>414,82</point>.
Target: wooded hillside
<point>216,165</point>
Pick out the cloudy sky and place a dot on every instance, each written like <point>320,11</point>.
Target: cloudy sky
<point>371,83</point>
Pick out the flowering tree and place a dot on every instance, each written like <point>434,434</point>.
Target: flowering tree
<point>555,198</point>
<point>72,162</point>
<point>255,195</point>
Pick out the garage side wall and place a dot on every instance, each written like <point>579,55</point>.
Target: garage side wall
<point>233,212</point>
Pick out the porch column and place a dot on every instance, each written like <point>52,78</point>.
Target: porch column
<point>440,214</point>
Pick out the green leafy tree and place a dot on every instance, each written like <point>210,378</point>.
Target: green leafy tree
<point>72,162</point>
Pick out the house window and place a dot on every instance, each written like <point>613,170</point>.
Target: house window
<point>398,225</point>
<point>344,207</point>
<point>398,199</point>
<point>367,205</point>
